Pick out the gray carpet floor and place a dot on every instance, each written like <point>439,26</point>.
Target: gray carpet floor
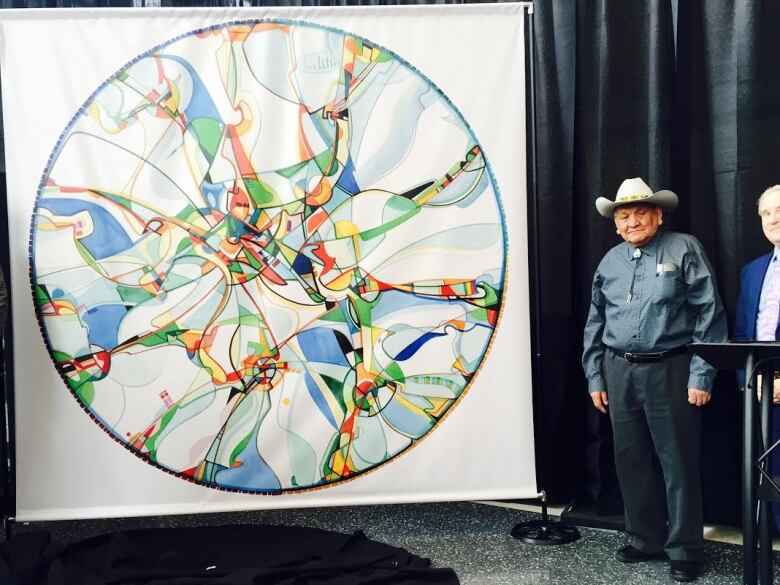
<point>471,538</point>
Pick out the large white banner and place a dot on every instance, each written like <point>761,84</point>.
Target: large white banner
<point>267,252</point>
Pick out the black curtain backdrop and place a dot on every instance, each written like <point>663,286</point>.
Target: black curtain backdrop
<point>729,97</point>
<point>684,93</point>
<point>604,104</point>
<point>619,94</point>
<point>604,95</point>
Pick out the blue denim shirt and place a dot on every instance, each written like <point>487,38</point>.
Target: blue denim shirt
<point>661,300</point>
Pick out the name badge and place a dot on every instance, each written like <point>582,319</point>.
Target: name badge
<point>667,267</point>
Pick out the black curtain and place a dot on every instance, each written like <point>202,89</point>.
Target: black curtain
<point>619,95</point>
<point>729,96</point>
<point>605,73</point>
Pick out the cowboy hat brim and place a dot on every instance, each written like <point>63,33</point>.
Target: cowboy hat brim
<point>666,200</point>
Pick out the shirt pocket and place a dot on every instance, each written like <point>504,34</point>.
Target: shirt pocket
<point>668,286</point>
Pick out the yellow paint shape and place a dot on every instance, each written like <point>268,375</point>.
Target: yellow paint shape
<point>341,282</point>
<point>246,118</point>
<point>346,228</point>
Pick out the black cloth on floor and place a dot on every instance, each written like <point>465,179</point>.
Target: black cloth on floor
<point>215,555</point>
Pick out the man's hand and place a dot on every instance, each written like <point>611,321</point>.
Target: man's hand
<point>775,389</point>
<point>698,397</point>
<point>600,400</point>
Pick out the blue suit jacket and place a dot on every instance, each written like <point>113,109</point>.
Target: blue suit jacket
<point>745,330</point>
<point>749,296</point>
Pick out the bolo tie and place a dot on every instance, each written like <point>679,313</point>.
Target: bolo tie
<point>637,253</point>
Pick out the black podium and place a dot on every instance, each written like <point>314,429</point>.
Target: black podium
<point>759,488</point>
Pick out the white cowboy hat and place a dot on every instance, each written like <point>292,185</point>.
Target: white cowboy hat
<point>636,191</point>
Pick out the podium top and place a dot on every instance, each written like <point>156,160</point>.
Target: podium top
<point>731,355</point>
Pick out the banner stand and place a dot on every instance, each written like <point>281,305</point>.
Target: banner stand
<point>65,445</point>
<point>545,531</point>
<point>7,443</point>
<point>8,484</point>
<point>7,452</point>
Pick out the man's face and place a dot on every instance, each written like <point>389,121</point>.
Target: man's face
<point>637,224</point>
<point>769,211</point>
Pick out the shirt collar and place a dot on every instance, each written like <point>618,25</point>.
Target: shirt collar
<point>776,254</point>
<point>651,248</point>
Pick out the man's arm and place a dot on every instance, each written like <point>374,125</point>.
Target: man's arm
<point>593,353</point>
<point>710,324</point>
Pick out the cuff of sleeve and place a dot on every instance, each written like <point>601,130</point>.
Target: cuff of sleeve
<point>700,382</point>
<point>596,385</point>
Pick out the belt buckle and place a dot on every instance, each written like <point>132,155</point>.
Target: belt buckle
<point>629,357</point>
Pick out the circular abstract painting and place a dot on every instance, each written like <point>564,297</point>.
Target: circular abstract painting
<point>268,256</point>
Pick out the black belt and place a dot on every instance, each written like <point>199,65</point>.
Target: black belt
<point>646,358</point>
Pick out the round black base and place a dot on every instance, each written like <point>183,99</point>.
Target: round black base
<point>545,532</point>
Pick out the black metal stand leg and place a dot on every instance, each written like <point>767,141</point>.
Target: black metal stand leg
<point>748,479</point>
<point>765,543</point>
<point>765,507</point>
<point>545,531</point>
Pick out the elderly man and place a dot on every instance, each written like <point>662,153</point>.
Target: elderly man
<point>758,306</point>
<point>651,296</point>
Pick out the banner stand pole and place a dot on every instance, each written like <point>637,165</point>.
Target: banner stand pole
<point>7,447</point>
<point>544,531</point>
<point>7,389</point>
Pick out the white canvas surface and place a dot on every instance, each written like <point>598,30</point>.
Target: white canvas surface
<point>67,467</point>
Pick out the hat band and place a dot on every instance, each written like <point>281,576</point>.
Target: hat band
<point>632,198</point>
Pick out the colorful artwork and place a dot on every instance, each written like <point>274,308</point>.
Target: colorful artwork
<point>268,256</point>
